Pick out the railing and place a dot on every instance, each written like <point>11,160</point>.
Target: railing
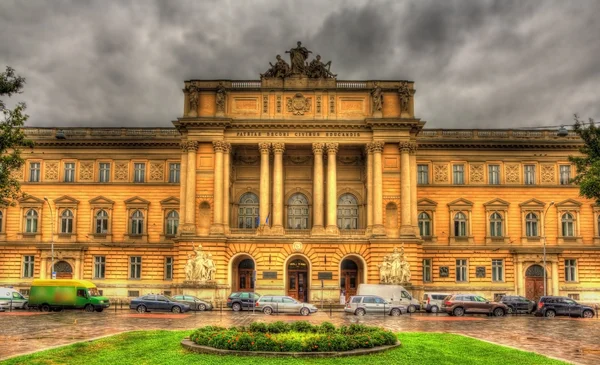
<point>246,84</point>
<point>351,85</point>
<point>352,232</point>
<point>297,232</point>
<point>248,231</point>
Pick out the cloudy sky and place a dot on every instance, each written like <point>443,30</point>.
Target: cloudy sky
<point>476,64</point>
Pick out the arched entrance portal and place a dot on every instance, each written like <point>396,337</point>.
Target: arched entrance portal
<point>63,270</point>
<point>351,272</point>
<point>242,274</point>
<point>297,275</point>
<point>534,282</point>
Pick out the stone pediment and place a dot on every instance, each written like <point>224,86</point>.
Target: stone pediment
<point>497,203</point>
<point>137,201</point>
<point>569,203</point>
<point>461,202</point>
<point>30,200</point>
<point>66,200</point>
<point>532,203</point>
<point>170,202</point>
<point>101,200</point>
<point>426,203</point>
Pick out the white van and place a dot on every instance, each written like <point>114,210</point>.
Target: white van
<point>394,293</point>
<point>9,296</point>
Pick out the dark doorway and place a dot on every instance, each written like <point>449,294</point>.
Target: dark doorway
<point>63,270</point>
<point>534,282</point>
<point>245,275</point>
<point>298,280</point>
<point>349,278</point>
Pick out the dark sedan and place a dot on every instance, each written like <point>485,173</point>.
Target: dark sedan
<point>518,304</point>
<point>154,302</point>
<point>196,304</point>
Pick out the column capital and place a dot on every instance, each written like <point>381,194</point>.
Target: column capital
<point>226,147</point>
<point>189,146</point>
<point>376,146</point>
<point>332,147</point>
<point>219,146</point>
<point>318,147</point>
<point>406,146</point>
<point>278,147</point>
<point>264,147</point>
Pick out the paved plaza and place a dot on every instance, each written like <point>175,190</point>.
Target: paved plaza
<point>570,339</point>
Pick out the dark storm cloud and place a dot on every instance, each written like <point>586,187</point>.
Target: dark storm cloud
<point>476,64</point>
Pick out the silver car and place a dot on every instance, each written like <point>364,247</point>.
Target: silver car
<point>269,304</point>
<point>372,304</point>
<point>196,304</point>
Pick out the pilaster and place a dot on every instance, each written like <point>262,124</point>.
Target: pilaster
<point>265,149</point>
<point>278,148</point>
<point>332,228</point>
<point>190,195</point>
<point>318,180</point>
<point>377,148</point>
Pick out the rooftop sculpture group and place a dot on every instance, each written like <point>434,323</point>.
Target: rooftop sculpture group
<point>300,67</point>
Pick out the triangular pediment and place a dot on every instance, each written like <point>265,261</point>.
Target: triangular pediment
<point>30,199</point>
<point>102,200</point>
<point>172,200</point>
<point>497,203</point>
<point>569,203</point>
<point>136,200</point>
<point>65,199</point>
<point>534,203</point>
<point>425,201</point>
<point>461,202</point>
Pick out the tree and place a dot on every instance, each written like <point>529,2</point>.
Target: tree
<point>12,138</point>
<point>588,165</point>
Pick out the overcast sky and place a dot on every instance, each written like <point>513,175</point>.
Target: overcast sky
<point>476,64</point>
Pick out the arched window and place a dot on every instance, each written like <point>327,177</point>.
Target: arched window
<point>347,216</point>
<point>248,211</point>
<point>172,223</point>
<point>101,222</point>
<point>531,225</point>
<point>460,225</point>
<point>137,223</point>
<point>31,221</point>
<point>424,224</point>
<point>568,226</point>
<point>496,225</point>
<point>298,212</point>
<point>66,221</point>
<point>1,217</point>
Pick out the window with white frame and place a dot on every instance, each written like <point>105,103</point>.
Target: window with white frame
<point>168,268</point>
<point>568,225</point>
<point>427,271</point>
<point>496,225</point>
<point>135,267</point>
<point>460,225</point>
<point>529,174</point>
<point>137,223</point>
<point>493,174</point>
<point>66,221</point>
<point>347,212</point>
<point>565,174</point>
<point>28,266</point>
<point>462,270</point>
<point>458,174</point>
<point>424,224</point>
<point>174,172</point>
<point>101,222</point>
<point>172,223</point>
<point>497,270</point>
<point>423,174</point>
<point>104,173</point>
<point>139,172</point>
<point>248,211</point>
<point>34,172</point>
<point>531,225</point>
<point>69,172</point>
<point>31,221</point>
<point>298,212</point>
<point>99,267</point>
<point>570,270</point>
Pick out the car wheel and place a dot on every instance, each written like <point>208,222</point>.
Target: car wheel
<point>498,312</point>
<point>458,311</point>
<point>25,306</point>
<point>99,309</point>
<point>412,308</point>
<point>360,312</point>
<point>511,310</point>
<point>141,309</point>
<point>236,307</point>
<point>45,308</point>
<point>89,308</point>
<point>305,311</point>
<point>268,311</point>
<point>434,309</point>
<point>202,307</point>
<point>395,312</point>
<point>550,314</point>
<point>588,314</point>
<point>176,309</point>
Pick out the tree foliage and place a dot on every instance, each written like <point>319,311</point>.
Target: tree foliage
<point>12,138</point>
<point>588,165</point>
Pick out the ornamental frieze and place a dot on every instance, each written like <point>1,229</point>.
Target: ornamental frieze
<point>299,104</point>
<point>86,171</point>
<point>476,174</point>
<point>548,174</point>
<point>512,173</point>
<point>51,171</point>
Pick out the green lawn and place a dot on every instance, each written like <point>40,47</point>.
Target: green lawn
<point>162,347</point>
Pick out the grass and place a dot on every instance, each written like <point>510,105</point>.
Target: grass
<point>163,347</point>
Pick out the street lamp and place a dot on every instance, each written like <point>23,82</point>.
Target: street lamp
<point>551,204</point>
<point>51,235</point>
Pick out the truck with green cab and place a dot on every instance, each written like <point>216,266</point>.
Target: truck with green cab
<point>61,294</point>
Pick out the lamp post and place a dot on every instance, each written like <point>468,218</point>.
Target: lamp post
<point>551,204</point>
<point>51,235</point>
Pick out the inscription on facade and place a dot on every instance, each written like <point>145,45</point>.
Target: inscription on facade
<point>297,134</point>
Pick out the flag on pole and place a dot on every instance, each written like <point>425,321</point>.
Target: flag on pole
<point>267,220</point>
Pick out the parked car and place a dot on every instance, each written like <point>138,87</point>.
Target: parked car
<point>432,302</point>
<point>196,304</point>
<point>395,294</point>
<point>242,300</point>
<point>61,294</point>
<point>155,302</point>
<point>372,304</point>
<point>551,306</point>
<point>461,304</point>
<point>518,304</point>
<point>10,298</point>
<point>269,304</point>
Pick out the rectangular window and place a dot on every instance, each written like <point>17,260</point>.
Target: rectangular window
<point>70,172</point>
<point>427,271</point>
<point>565,175</point>
<point>104,175</point>
<point>494,174</point>
<point>174,172</point>
<point>570,270</point>
<point>423,174</point>
<point>28,266</point>
<point>133,293</point>
<point>34,172</point>
<point>99,267</point>
<point>25,291</point>
<point>458,174</point>
<point>529,174</point>
<point>168,268</point>
<point>497,270</point>
<point>135,267</point>
<point>573,296</point>
<point>461,270</point>
<point>139,170</point>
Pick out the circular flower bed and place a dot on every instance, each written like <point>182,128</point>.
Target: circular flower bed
<point>299,336</point>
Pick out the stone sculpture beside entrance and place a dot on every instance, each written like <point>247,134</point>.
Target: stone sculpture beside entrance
<point>395,269</point>
<point>201,267</point>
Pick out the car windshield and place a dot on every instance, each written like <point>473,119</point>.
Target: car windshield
<point>93,292</point>
<point>480,299</point>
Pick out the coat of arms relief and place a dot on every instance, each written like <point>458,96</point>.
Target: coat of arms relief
<point>299,104</point>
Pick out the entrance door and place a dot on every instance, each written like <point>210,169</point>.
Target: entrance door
<point>63,270</point>
<point>298,280</point>
<point>534,282</point>
<point>245,272</point>
<point>349,278</point>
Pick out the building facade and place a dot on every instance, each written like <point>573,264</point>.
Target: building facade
<point>304,185</point>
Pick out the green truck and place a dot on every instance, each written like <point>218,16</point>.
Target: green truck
<point>61,294</point>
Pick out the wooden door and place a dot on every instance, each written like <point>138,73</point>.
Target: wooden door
<point>349,282</point>
<point>245,282</point>
<point>534,288</point>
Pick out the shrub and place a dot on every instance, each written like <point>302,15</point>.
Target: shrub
<point>258,327</point>
<point>326,327</point>
<point>278,327</point>
<point>302,326</point>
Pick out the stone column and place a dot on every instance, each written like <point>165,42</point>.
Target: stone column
<point>377,148</point>
<point>226,182</point>
<point>190,194</point>
<point>182,186</point>
<point>369,151</point>
<point>414,209</point>
<point>318,201</point>
<point>264,148</point>
<point>278,148</point>
<point>554,280</point>
<point>217,226</point>
<point>519,277</point>
<point>332,149</point>
<point>406,228</point>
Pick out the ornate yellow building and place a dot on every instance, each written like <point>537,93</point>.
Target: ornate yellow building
<point>309,184</point>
